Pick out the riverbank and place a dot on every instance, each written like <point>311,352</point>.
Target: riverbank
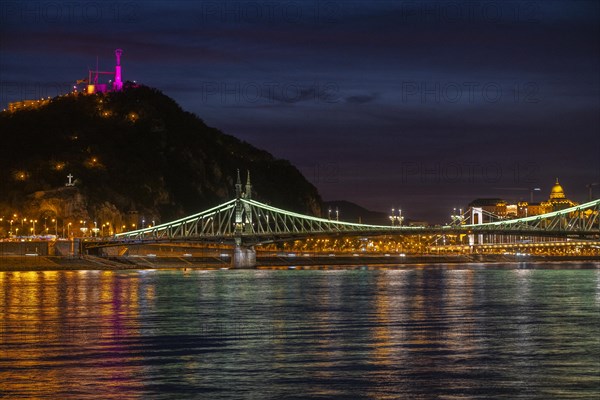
<point>52,263</point>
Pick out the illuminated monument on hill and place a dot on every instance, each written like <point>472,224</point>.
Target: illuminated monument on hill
<point>118,83</point>
<point>95,87</point>
<point>92,86</point>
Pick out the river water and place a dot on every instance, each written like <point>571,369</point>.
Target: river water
<point>427,332</point>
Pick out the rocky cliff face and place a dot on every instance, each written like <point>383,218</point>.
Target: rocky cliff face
<point>132,153</point>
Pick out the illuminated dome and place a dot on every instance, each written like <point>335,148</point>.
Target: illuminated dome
<point>557,192</point>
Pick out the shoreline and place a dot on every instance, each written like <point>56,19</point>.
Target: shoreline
<point>65,263</point>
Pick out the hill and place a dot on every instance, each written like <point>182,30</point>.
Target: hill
<point>131,152</point>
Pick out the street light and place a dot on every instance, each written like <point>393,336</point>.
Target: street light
<point>95,229</point>
<point>394,217</point>
<point>84,228</point>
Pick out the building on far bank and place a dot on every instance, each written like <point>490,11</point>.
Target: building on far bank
<point>490,209</point>
<point>557,201</point>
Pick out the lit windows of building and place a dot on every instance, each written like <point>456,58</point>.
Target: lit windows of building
<point>558,200</point>
<point>502,209</point>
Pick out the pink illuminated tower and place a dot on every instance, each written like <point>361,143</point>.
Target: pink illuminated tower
<point>118,83</point>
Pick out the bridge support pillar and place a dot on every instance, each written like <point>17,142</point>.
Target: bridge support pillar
<point>243,257</point>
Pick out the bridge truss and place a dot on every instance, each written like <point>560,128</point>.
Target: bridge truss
<point>252,222</point>
<point>582,219</point>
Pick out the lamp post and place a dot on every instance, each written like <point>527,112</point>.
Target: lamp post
<point>396,218</point>
<point>84,228</point>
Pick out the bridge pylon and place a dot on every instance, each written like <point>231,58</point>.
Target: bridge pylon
<point>244,256</point>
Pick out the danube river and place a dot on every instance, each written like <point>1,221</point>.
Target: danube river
<point>447,332</point>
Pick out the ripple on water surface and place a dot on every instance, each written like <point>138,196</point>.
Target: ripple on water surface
<point>465,332</point>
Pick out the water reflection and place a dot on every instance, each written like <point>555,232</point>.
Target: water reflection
<point>413,333</point>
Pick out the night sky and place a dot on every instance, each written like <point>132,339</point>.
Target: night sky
<point>418,105</point>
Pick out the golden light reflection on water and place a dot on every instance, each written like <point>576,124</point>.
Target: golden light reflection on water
<point>44,328</point>
<point>382,349</point>
<point>412,333</point>
<point>385,353</point>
